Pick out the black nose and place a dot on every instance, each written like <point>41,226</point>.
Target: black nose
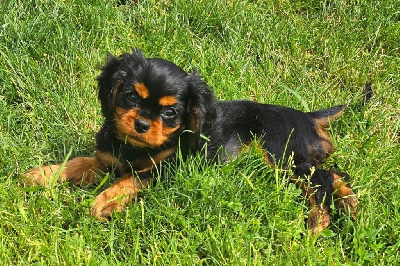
<point>141,126</point>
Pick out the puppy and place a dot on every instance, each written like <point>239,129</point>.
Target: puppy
<point>151,106</point>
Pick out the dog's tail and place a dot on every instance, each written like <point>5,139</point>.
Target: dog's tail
<point>367,94</point>
<point>324,117</point>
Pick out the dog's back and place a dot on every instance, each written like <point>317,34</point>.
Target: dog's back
<point>281,131</point>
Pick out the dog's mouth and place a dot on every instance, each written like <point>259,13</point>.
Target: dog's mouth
<point>137,141</point>
<point>136,138</point>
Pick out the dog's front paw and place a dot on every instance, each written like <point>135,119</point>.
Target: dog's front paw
<point>116,197</point>
<point>109,200</point>
<point>40,175</point>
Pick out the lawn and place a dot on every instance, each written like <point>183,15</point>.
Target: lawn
<point>303,54</point>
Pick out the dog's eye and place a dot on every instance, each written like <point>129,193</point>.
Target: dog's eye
<point>132,97</point>
<point>169,112</point>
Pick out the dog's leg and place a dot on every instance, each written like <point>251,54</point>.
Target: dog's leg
<point>117,196</point>
<point>80,170</point>
<point>344,195</point>
<point>317,185</point>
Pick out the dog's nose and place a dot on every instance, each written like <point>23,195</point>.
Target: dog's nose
<point>141,126</point>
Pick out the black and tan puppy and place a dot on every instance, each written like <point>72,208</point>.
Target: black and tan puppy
<point>151,105</point>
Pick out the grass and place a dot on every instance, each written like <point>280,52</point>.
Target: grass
<point>303,54</point>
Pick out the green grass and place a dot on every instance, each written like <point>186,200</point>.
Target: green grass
<point>303,54</point>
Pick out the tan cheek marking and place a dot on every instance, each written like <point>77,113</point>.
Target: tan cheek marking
<point>153,136</point>
<point>124,120</point>
<point>142,90</point>
<point>167,100</point>
<point>158,133</point>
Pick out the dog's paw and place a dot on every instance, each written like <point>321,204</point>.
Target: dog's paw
<point>318,220</point>
<point>349,203</point>
<point>40,175</point>
<point>113,198</point>
<point>346,198</point>
<point>116,197</point>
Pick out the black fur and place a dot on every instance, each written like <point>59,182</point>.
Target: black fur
<point>228,125</point>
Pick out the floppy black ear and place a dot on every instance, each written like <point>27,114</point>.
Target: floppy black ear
<point>108,81</point>
<point>201,109</point>
<point>113,74</point>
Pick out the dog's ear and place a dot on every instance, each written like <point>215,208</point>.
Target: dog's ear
<point>201,108</point>
<point>109,81</point>
<point>113,74</point>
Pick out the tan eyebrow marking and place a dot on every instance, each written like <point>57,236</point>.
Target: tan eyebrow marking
<point>167,100</point>
<point>142,90</point>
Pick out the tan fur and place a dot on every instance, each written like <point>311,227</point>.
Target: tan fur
<point>325,140</point>
<point>326,121</point>
<point>80,170</point>
<point>319,217</point>
<point>154,137</point>
<point>320,128</point>
<point>167,100</point>
<point>117,196</point>
<point>142,90</point>
<point>346,198</point>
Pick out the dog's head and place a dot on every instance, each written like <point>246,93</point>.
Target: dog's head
<point>150,101</point>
